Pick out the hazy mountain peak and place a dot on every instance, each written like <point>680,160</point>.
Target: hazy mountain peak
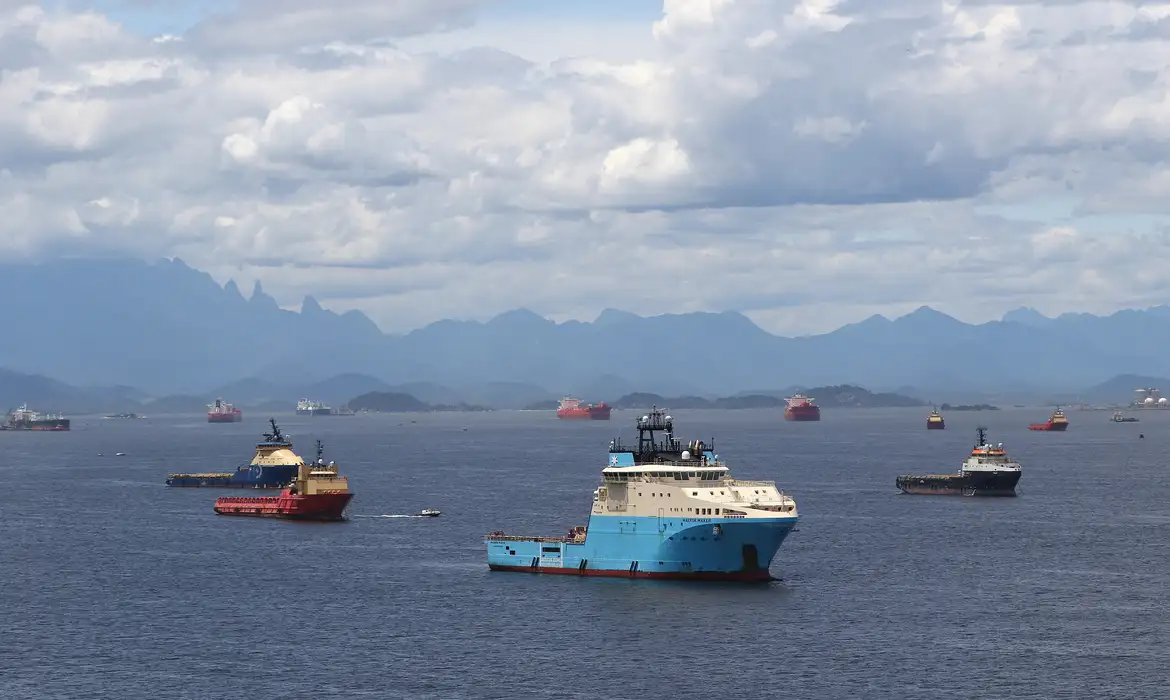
<point>872,323</point>
<point>1025,316</point>
<point>612,316</point>
<point>259,298</point>
<point>310,306</point>
<point>233,290</point>
<point>519,317</point>
<point>924,315</point>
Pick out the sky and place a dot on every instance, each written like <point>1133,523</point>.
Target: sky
<point>806,163</point>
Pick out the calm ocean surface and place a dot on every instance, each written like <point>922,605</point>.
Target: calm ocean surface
<point>115,586</point>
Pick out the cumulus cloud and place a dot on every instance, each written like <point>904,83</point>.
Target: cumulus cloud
<point>809,162</point>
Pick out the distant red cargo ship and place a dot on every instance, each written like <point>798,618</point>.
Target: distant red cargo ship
<point>223,412</point>
<point>318,493</point>
<point>572,409</point>
<point>802,408</point>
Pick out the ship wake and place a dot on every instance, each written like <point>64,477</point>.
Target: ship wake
<point>392,515</point>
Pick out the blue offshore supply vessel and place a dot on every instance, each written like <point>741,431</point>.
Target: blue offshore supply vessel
<point>273,467</point>
<point>663,511</point>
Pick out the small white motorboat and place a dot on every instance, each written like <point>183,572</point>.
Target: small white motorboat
<point>428,513</point>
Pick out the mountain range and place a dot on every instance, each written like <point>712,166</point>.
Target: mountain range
<point>137,329</point>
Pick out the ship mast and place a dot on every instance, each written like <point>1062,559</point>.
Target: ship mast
<point>656,420</point>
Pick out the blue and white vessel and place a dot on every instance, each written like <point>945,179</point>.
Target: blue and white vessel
<point>306,407</point>
<point>273,467</point>
<point>666,511</point>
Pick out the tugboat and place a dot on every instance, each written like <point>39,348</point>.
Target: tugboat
<point>935,421</point>
<point>700,523</point>
<point>273,466</point>
<point>572,409</point>
<point>25,419</point>
<point>1118,418</point>
<point>1057,422</point>
<point>318,493</point>
<point>987,472</point>
<point>801,408</point>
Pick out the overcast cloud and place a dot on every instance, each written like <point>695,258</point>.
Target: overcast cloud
<point>809,163</point>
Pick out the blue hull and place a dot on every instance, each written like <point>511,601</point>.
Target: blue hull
<point>651,547</point>
<point>267,477</point>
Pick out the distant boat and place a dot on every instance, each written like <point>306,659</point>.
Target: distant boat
<point>317,493</point>
<point>123,416</point>
<point>988,471</point>
<point>571,408</point>
<point>1118,418</point>
<point>802,408</point>
<point>428,513</point>
<point>223,412</point>
<point>305,407</point>
<point>25,419</point>
<point>273,466</point>
<point>1056,422</point>
<point>935,421</point>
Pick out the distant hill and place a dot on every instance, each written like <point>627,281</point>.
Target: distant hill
<point>49,395</point>
<point>843,396</point>
<point>168,329</point>
<point>1121,389</point>
<point>393,402</point>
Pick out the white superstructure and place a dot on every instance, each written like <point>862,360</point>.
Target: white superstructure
<point>660,479</point>
<point>986,457</point>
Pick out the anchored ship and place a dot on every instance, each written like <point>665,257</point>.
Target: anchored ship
<point>1057,421</point>
<point>317,493</point>
<point>273,466</point>
<point>987,472</point>
<point>306,407</point>
<point>1118,418</point>
<point>24,419</point>
<point>666,511</point>
<point>223,412</point>
<point>573,409</point>
<point>801,408</point>
<point>935,421</point>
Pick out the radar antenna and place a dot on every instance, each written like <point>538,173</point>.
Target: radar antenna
<point>275,435</point>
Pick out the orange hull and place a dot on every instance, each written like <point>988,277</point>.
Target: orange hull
<point>1057,427</point>
<point>319,506</point>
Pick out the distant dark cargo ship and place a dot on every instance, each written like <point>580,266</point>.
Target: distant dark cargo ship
<point>987,472</point>
<point>24,419</point>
